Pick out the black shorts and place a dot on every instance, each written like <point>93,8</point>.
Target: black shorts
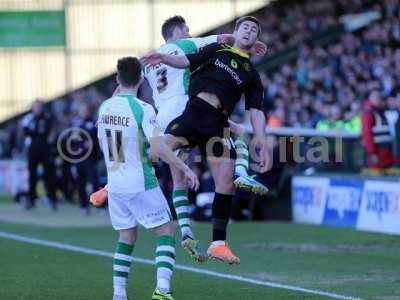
<point>203,125</point>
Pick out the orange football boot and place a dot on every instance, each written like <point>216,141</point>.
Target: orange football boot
<point>223,253</point>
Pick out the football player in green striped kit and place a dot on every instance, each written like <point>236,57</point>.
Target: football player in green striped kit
<point>127,133</point>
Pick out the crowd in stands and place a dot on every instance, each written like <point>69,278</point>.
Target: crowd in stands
<point>323,88</point>
<point>288,22</point>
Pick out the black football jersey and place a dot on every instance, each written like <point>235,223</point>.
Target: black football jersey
<point>228,73</point>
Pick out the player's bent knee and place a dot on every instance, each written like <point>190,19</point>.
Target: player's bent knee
<point>128,236</point>
<point>225,188</point>
<point>165,229</point>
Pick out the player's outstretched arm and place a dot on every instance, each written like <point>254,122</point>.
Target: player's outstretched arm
<point>193,60</point>
<point>158,148</point>
<point>176,61</point>
<point>226,38</point>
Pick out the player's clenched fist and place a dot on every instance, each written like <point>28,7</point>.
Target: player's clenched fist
<point>191,179</point>
<point>259,49</point>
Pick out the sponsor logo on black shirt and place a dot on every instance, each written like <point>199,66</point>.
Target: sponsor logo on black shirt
<point>231,72</point>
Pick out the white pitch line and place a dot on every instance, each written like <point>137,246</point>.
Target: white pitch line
<point>85,250</point>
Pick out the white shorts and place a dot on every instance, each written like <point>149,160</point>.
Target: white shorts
<point>171,109</point>
<point>148,208</point>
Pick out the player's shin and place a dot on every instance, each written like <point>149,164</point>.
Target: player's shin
<point>221,210</point>
<point>242,160</point>
<point>219,248</point>
<point>189,244</point>
<point>181,204</point>
<point>242,179</point>
<point>165,262</point>
<point>121,267</point>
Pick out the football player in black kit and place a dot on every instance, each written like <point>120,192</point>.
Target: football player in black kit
<point>221,74</point>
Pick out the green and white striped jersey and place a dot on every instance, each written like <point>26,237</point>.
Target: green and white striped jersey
<point>125,126</point>
<point>168,82</point>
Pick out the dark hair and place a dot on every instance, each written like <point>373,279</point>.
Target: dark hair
<point>128,71</point>
<point>169,25</point>
<point>248,18</point>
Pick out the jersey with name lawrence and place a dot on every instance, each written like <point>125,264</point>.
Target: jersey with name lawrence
<point>125,126</point>
<point>170,84</point>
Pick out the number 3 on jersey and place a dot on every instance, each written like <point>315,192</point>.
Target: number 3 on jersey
<point>118,145</point>
<point>162,80</point>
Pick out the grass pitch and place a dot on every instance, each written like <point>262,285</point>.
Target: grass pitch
<point>346,262</point>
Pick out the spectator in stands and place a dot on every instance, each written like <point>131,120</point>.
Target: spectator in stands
<point>333,121</point>
<point>376,135</point>
<point>393,116</point>
<point>340,74</point>
<point>64,180</point>
<point>352,118</point>
<point>86,172</point>
<point>37,127</point>
<point>277,118</point>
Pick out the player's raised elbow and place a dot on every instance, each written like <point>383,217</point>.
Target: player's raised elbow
<point>176,61</point>
<point>183,62</point>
